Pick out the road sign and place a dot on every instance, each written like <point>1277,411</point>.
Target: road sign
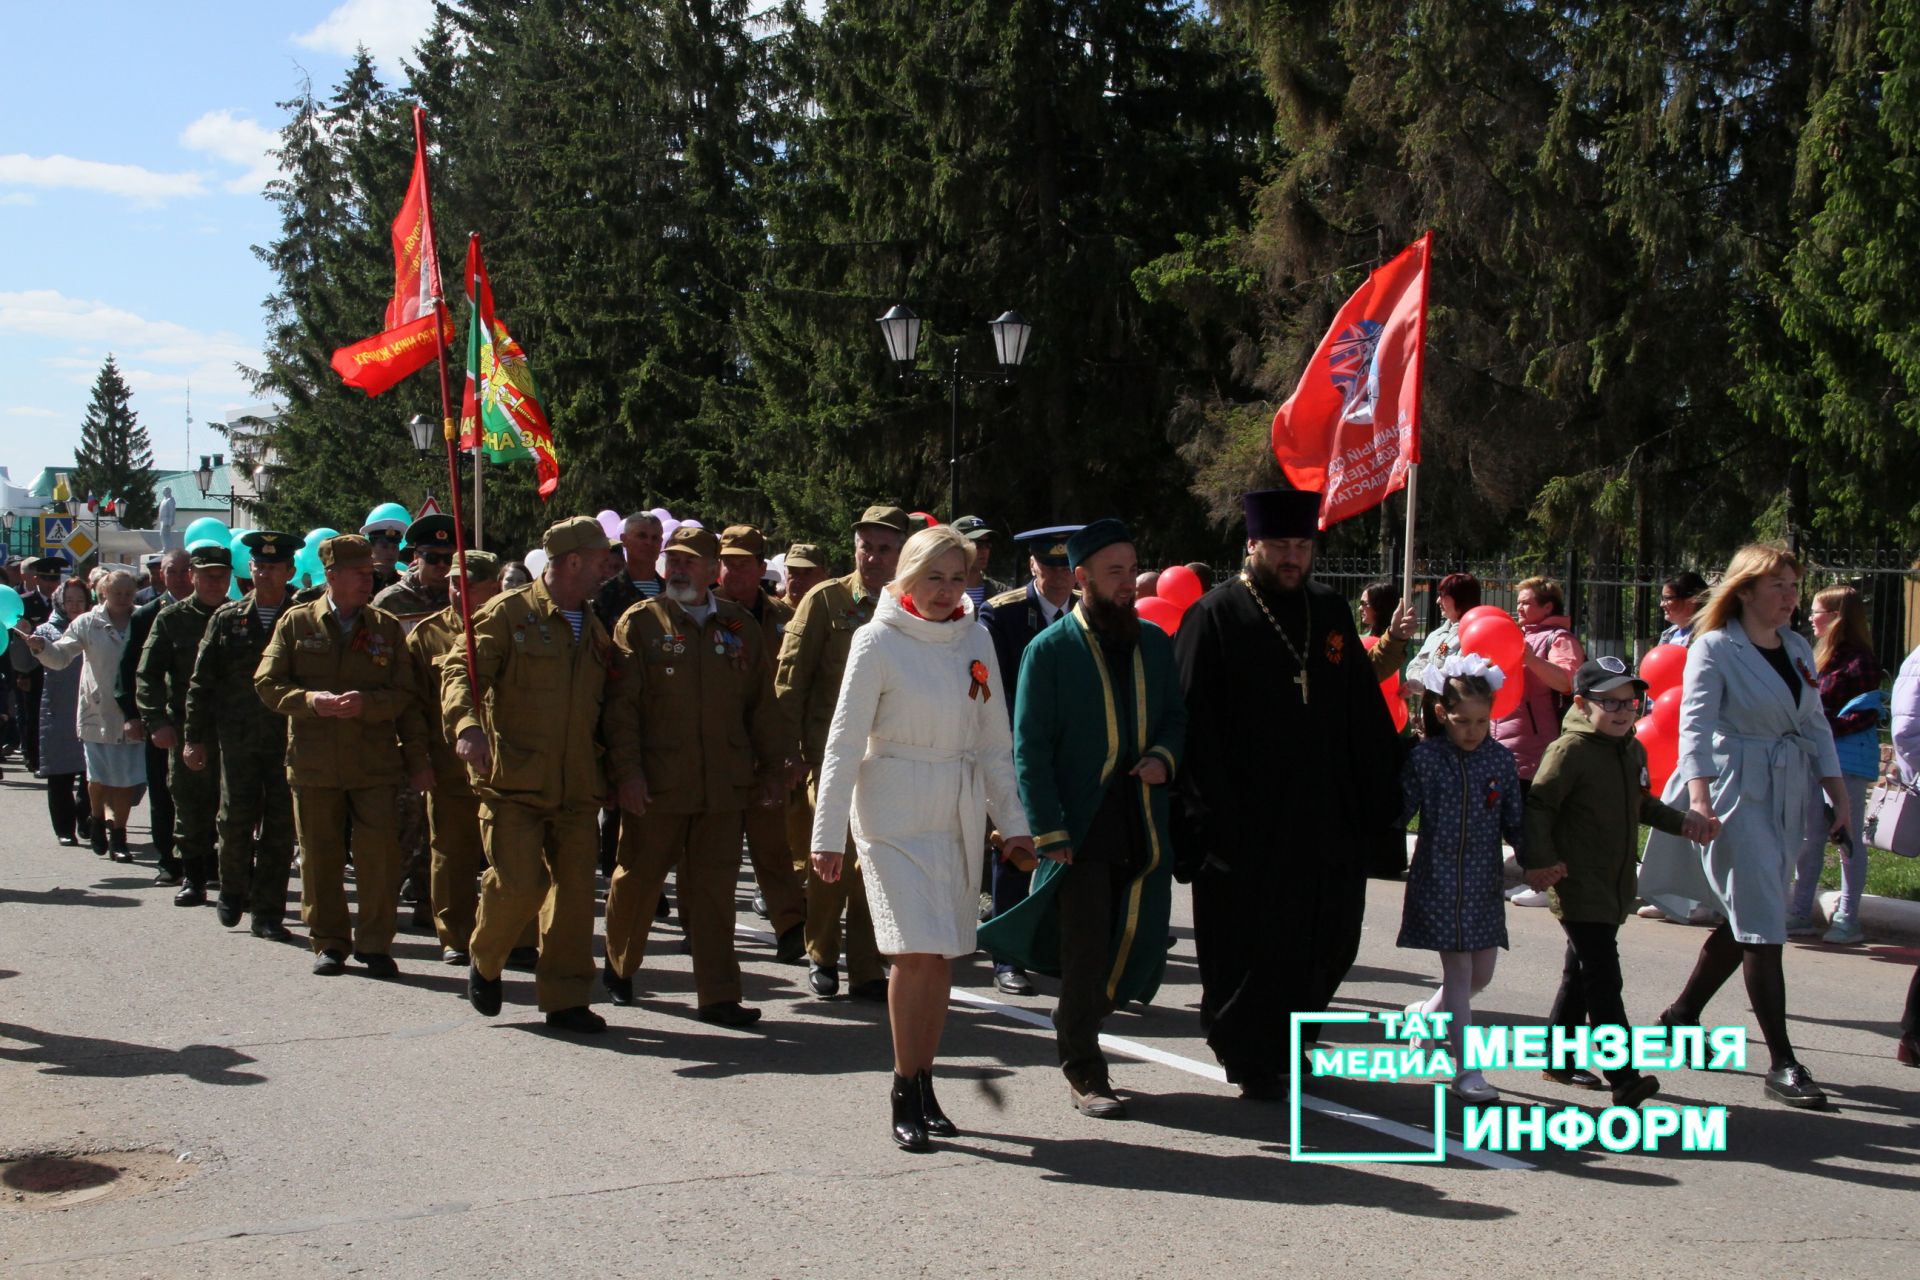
<point>431,507</point>
<point>54,531</point>
<point>78,544</point>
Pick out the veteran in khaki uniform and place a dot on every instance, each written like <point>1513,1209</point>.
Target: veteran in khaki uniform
<point>526,723</point>
<point>693,739</point>
<point>337,668</point>
<point>813,657</point>
<point>246,744</point>
<point>782,901</point>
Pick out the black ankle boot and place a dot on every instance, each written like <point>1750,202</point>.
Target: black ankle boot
<point>909,1126</point>
<point>938,1126</point>
<point>117,843</point>
<point>97,837</point>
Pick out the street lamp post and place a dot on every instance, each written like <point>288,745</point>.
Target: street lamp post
<point>900,329</point>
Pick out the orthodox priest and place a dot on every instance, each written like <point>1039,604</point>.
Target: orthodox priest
<point>1289,765</point>
<point>1098,730</point>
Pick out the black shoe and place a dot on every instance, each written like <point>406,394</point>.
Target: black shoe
<point>524,959</point>
<point>938,1126</point>
<point>329,963</point>
<point>1012,982</point>
<point>167,877</point>
<point>1096,1098</point>
<point>686,945</point>
<point>760,905</point>
<point>791,948</point>
<point>98,839</point>
<point>578,1019</point>
<point>1636,1091</point>
<point>662,909</point>
<point>117,843</point>
<point>874,990</point>
<point>1793,1084</point>
<point>729,1013</point>
<point>454,955</point>
<point>619,989</point>
<point>271,930</point>
<point>69,841</point>
<point>483,993</point>
<point>909,1126</point>
<point>228,913</point>
<point>824,979</point>
<point>378,965</point>
<point>423,916</point>
<point>1577,1077</point>
<point>1266,1087</point>
<point>190,895</point>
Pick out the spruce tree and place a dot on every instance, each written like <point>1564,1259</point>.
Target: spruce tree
<point>115,458</point>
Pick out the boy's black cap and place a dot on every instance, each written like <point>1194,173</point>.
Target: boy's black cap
<point>1605,675</point>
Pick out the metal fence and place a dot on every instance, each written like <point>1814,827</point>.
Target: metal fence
<point>1615,608</point>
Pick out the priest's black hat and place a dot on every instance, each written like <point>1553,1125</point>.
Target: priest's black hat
<point>1281,513</point>
<point>1095,537</point>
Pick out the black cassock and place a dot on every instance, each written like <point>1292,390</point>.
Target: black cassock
<point>1281,798</point>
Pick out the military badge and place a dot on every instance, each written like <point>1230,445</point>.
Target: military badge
<point>1336,647</point>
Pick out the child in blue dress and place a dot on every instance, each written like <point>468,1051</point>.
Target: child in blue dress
<point>1466,789</point>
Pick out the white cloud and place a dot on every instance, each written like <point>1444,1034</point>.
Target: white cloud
<point>389,28</point>
<point>131,181</point>
<point>29,411</point>
<point>17,197</point>
<point>238,141</point>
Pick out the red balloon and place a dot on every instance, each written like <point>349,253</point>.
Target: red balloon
<point>1506,699</point>
<point>1482,611</point>
<point>1495,637</point>
<point>1396,699</point>
<point>1163,614</point>
<point>1179,585</point>
<point>1663,753</point>
<point>1663,667</point>
<point>922,515</point>
<point>1666,715</point>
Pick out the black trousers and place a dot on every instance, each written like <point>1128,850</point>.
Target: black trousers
<point>1910,1020</point>
<point>66,801</point>
<point>1591,985</point>
<point>160,810</point>
<point>1086,896</point>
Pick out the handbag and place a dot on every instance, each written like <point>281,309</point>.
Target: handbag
<point>1893,817</point>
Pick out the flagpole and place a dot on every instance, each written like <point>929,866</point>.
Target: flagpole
<point>1406,565</point>
<point>448,423</point>
<point>1413,465</point>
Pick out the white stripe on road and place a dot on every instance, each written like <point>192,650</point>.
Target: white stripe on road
<point>1407,1133</point>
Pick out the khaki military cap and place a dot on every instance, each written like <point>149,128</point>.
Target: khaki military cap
<point>743,540</point>
<point>345,551</point>
<point>886,518</point>
<point>694,541</point>
<point>581,533</point>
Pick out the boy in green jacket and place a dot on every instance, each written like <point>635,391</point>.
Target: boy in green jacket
<point>1584,811</point>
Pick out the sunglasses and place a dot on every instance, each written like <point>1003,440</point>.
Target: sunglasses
<point>385,539</point>
<point>436,557</point>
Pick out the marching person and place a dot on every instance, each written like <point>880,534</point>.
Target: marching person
<point>385,530</point>
<point>917,759</point>
<point>337,668</point>
<point>813,662</point>
<point>1283,717</point>
<point>422,590</point>
<point>806,569</point>
<point>228,728</point>
<point>63,762</point>
<point>525,721</point>
<point>160,692</point>
<point>693,740</point>
<point>636,579</point>
<point>175,583</point>
<point>1097,736</point>
<point>979,584</point>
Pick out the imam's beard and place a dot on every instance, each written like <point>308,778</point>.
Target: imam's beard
<point>682,591</point>
<point>1110,619</point>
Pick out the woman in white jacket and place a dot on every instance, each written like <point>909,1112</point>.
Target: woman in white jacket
<point>116,762</point>
<point>918,756</point>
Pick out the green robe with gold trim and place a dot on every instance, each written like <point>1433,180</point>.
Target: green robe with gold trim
<point>1070,739</point>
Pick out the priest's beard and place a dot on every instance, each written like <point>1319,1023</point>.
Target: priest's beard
<point>1110,619</point>
<point>1268,579</point>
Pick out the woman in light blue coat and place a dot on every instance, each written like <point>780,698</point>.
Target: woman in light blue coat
<point>1753,737</point>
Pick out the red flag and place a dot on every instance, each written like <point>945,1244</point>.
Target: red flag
<point>407,345</point>
<point>1351,428</point>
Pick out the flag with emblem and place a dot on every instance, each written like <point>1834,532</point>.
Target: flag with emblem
<point>500,412</point>
<point>1351,429</point>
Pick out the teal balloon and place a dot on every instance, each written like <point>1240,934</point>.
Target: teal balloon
<point>317,536</point>
<point>206,531</point>
<point>390,511</point>
<point>306,565</point>
<point>233,587</point>
<point>12,607</point>
<point>242,555</point>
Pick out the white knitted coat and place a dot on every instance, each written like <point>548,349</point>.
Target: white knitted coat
<point>915,765</point>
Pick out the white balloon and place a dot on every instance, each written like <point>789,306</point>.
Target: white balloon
<point>536,562</point>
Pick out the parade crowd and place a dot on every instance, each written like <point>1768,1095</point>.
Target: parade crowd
<point>922,762</point>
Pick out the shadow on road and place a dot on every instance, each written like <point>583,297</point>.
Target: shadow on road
<point>60,1055</point>
<point>64,898</point>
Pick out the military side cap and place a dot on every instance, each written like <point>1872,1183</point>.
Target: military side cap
<point>269,546</point>
<point>1097,536</point>
<point>581,533</point>
<point>482,566</point>
<point>345,551</point>
<point>1049,545</point>
<point>805,555</point>
<point>431,533</point>
<point>694,541</point>
<point>972,528</point>
<point>886,518</point>
<point>743,540</point>
<point>210,556</point>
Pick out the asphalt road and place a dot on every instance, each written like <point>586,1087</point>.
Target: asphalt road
<point>345,1126</point>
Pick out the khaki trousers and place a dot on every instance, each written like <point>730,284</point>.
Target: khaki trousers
<point>320,815</point>
<point>773,870</point>
<point>826,902</point>
<point>540,865</point>
<point>706,848</point>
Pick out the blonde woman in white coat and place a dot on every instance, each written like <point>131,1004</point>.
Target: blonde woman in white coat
<point>918,756</point>
<point>1753,742</point>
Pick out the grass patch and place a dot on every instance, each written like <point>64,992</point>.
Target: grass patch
<point>1888,874</point>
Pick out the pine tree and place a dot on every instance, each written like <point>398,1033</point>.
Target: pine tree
<point>115,458</point>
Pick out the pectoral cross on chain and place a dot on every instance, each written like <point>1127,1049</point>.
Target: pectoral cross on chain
<point>1301,680</point>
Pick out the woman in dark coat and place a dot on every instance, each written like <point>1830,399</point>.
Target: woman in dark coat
<point>62,762</point>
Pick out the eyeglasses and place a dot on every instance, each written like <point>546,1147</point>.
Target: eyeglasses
<point>1614,704</point>
<point>436,557</point>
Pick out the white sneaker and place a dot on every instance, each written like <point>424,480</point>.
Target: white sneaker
<point>1529,898</point>
<point>1471,1086</point>
<point>1651,912</point>
<point>1703,915</point>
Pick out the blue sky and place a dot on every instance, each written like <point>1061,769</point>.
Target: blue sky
<point>131,169</point>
